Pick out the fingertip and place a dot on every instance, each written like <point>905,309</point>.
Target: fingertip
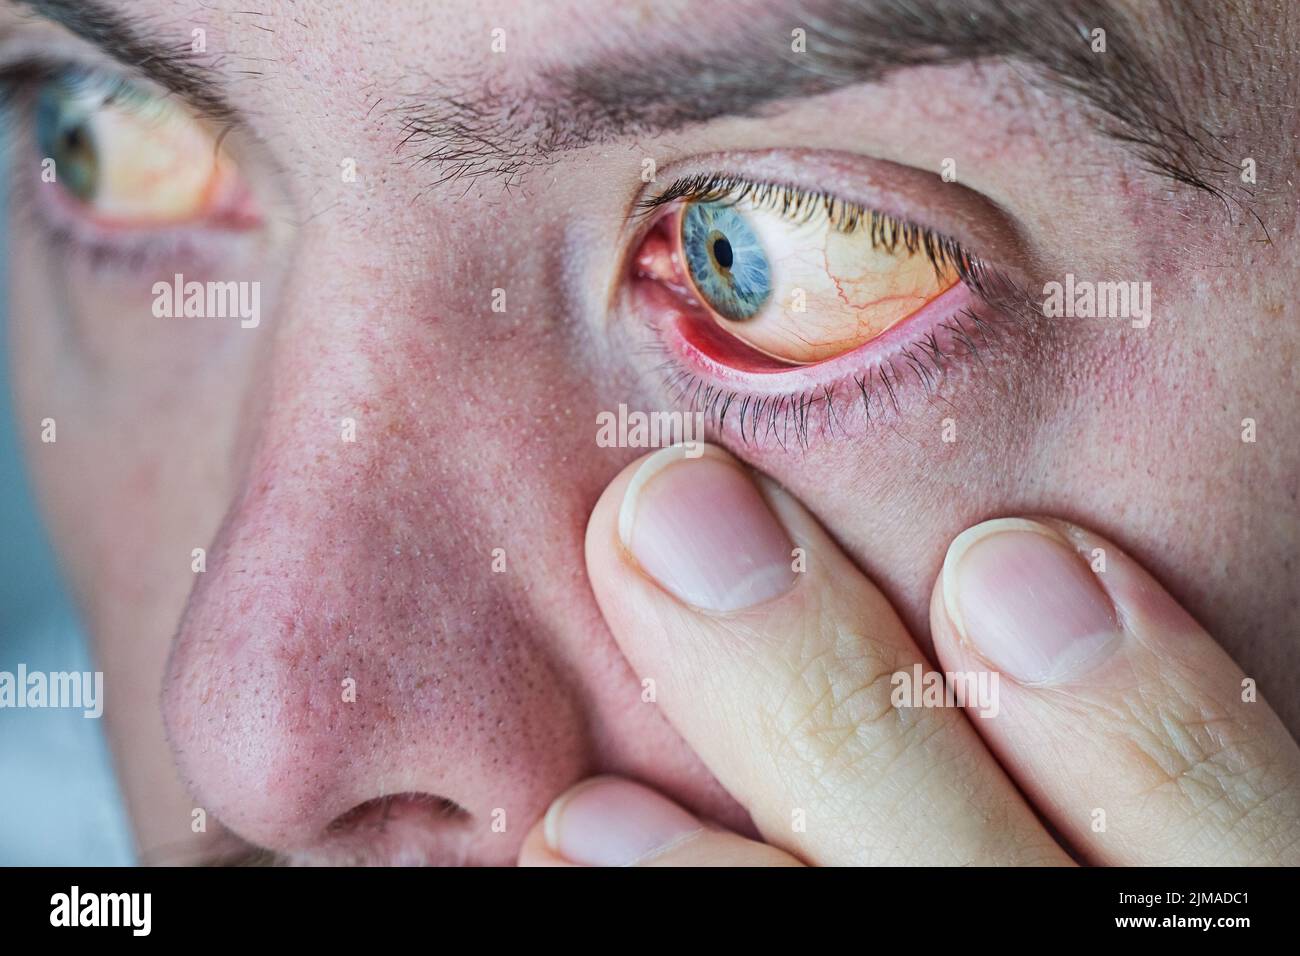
<point>1021,597</point>
<point>694,521</point>
<point>612,821</point>
<point>535,851</point>
<point>948,577</point>
<point>640,472</point>
<point>610,526</point>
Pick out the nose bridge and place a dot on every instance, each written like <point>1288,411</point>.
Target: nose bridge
<point>348,639</point>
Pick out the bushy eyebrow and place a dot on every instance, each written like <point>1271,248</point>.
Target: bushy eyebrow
<point>649,86</point>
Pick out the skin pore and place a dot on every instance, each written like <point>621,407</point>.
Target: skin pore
<point>373,561</point>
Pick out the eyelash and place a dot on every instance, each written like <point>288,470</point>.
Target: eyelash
<point>877,387</point>
<point>760,416</point>
<point>802,206</point>
<point>18,76</point>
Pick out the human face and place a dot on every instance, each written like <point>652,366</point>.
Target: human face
<point>387,650</point>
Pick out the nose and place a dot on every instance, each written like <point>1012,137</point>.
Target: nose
<point>353,680</point>
<point>331,697</point>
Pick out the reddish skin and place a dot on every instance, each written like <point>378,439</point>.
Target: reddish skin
<point>476,431</point>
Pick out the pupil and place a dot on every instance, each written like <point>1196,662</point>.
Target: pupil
<point>722,252</point>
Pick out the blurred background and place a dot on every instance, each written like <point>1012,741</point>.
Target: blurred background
<point>59,803</point>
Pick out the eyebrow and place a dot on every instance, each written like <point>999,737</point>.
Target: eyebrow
<point>660,86</point>
<point>126,40</point>
<point>502,131</point>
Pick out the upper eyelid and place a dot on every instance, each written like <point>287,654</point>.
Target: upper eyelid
<point>126,89</point>
<point>18,73</point>
<point>908,191</point>
<point>30,52</point>
<point>796,202</point>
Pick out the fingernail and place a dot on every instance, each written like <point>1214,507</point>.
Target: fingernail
<point>1018,592</point>
<point>608,821</point>
<point>699,527</point>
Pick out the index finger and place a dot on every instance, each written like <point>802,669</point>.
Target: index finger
<point>776,659</point>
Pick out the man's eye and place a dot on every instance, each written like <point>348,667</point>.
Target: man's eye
<point>127,158</point>
<point>802,278</point>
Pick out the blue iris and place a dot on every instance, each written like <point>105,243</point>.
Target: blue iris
<point>63,135</point>
<point>726,261</point>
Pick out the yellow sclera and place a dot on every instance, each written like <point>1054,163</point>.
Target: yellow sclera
<point>832,290</point>
<point>154,163</point>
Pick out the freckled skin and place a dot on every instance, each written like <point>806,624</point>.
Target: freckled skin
<point>372,560</point>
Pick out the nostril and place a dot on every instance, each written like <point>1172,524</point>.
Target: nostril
<point>398,811</point>
<point>400,829</point>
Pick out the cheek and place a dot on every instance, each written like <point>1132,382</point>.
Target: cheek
<point>127,491</point>
<point>140,409</point>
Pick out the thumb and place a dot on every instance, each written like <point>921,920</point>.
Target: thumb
<point>610,821</point>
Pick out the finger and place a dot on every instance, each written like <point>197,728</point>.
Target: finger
<point>1123,720</point>
<point>781,679</point>
<point>609,821</point>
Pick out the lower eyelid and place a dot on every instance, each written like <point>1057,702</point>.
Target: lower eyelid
<point>126,249</point>
<point>795,406</point>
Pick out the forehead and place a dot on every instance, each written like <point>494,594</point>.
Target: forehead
<point>396,47</point>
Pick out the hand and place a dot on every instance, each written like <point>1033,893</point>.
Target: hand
<point>1106,706</point>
